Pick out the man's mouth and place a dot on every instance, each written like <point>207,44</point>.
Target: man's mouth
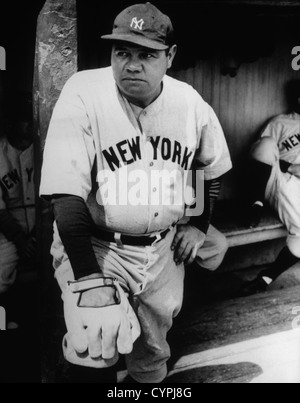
<point>134,79</point>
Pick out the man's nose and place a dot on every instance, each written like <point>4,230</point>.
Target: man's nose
<point>134,65</point>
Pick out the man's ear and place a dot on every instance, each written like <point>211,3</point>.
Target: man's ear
<point>171,55</point>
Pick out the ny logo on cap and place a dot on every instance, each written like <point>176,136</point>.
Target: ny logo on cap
<point>137,24</point>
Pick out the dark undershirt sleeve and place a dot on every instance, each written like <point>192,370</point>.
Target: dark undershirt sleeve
<point>74,225</point>
<point>211,193</point>
<point>284,166</point>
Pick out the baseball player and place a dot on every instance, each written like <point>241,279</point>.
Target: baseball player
<point>17,197</point>
<point>120,264</point>
<point>276,167</point>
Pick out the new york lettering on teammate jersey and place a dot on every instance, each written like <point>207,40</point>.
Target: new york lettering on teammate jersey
<point>17,192</point>
<point>285,129</point>
<point>93,125</point>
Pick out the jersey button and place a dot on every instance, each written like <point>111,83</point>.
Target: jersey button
<point>156,215</point>
<point>148,138</point>
<point>154,190</point>
<point>151,164</point>
<point>144,113</point>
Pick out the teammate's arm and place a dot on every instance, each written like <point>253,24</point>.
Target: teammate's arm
<point>75,229</point>
<point>293,169</point>
<point>25,244</point>
<point>10,228</point>
<point>284,166</point>
<point>274,129</point>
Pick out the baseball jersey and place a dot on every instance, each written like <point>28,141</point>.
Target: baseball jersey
<point>17,191</point>
<point>285,129</point>
<point>98,143</point>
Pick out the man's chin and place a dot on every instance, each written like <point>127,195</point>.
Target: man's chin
<point>133,96</point>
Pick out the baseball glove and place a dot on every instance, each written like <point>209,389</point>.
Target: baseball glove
<point>100,321</point>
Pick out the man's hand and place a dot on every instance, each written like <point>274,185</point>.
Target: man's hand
<point>294,169</point>
<point>187,241</point>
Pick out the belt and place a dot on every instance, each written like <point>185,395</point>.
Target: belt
<point>121,239</point>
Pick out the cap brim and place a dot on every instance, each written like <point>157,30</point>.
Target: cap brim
<point>137,40</point>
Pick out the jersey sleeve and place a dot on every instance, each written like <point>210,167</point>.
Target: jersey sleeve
<point>69,151</point>
<point>273,129</point>
<point>213,154</point>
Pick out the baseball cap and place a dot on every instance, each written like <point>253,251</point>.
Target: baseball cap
<point>143,24</point>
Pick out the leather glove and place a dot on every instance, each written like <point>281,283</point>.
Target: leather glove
<point>100,321</point>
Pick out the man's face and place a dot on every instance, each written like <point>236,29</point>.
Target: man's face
<point>139,71</point>
<point>22,130</point>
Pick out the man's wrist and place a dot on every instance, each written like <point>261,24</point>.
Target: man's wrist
<point>198,229</point>
<point>91,276</point>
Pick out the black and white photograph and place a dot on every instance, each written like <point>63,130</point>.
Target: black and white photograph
<point>150,194</point>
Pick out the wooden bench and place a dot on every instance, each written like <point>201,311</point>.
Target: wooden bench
<point>230,218</point>
<point>248,247</point>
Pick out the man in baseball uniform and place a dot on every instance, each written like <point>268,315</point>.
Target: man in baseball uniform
<point>17,196</point>
<point>276,167</point>
<point>120,241</point>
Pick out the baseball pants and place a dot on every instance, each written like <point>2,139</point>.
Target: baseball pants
<point>282,192</point>
<point>154,285</point>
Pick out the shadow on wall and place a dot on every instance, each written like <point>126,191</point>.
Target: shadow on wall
<point>292,91</point>
<point>243,372</point>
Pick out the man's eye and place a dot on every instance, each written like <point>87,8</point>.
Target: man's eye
<point>121,54</point>
<point>147,56</point>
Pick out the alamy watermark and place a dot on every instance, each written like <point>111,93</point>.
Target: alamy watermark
<point>296,59</point>
<point>137,187</point>
<point>2,58</point>
<point>2,318</point>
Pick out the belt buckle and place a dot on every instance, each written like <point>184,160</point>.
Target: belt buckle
<point>118,240</point>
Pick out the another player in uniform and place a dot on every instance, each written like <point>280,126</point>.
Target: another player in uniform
<point>17,197</point>
<point>120,265</point>
<point>276,167</point>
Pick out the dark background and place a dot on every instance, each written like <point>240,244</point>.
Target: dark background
<point>202,28</point>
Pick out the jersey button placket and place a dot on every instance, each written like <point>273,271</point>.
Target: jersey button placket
<point>148,125</point>
<point>148,155</point>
